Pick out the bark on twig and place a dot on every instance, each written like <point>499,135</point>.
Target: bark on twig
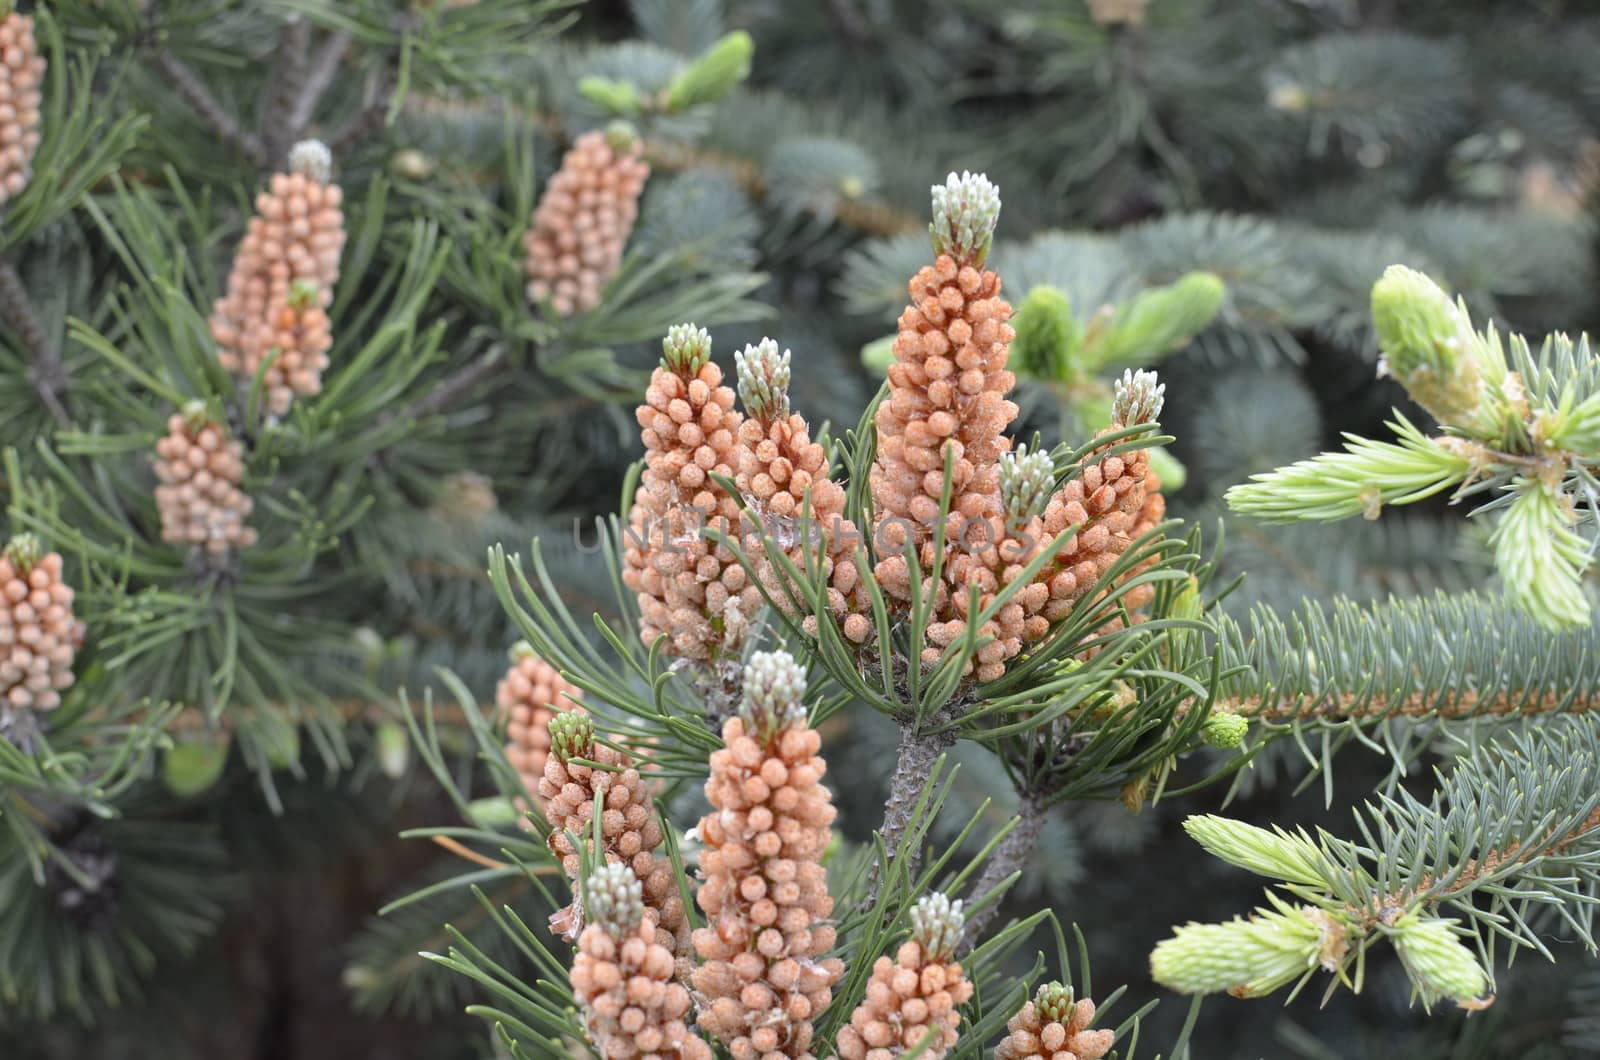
<point>324,68</point>
<point>1010,856</point>
<point>284,85</point>
<point>453,386</point>
<point>914,765</point>
<point>194,92</point>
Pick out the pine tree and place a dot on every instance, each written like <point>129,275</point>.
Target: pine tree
<point>832,717</point>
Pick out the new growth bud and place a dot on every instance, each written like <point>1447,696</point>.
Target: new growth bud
<point>1249,958</point>
<point>1428,344</point>
<point>714,74</point>
<point>571,736</point>
<point>1275,853</point>
<point>1138,398</point>
<point>936,925</point>
<point>774,687</point>
<point>613,898</point>
<point>1026,482</point>
<point>686,350</point>
<point>1048,336</point>
<point>312,158</point>
<point>622,137</point>
<point>24,552</point>
<point>965,211</point>
<point>1438,962</point>
<point>763,380</point>
<point>1054,1002</point>
<point>1224,729</point>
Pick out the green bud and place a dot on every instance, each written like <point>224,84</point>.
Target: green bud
<point>1541,559</point>
<point>613,898</point>
<point>965,212</point>
<point>392,746</point>
<point>1428,344</point>
<point>1026,482</point>
<point>1438,962</point>
<point>1137,398</point>
<point>1578,429</point>
<point>774,693</point>
<point>878,355</point>
<point>571,736</point>
<point>763,375</point>
<point>1278,854</point>
<point>1054,1002</point>
<point>686,350</point>
<point>190,768</point>
<point>495,811</point>
<point>302,294</point>
<point>937,924</point>
<point>622,137</point>
<point>1249,958</point>
<point>1224,729</point>
<point>24,552</point>
<point>1160,320</point>
<point>1168,468</point>
<point>719,71</point>
<point>1187,603</point>
<point>1047,338</point>
<point>619,98</point>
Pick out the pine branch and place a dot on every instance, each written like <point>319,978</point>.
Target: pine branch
<point>48,371</point>
<point>918,751</point>
<point>324,68</point>
<point>453,386</point>
<point>278,131</point>
<point>1011,856</point>
<point>194,92</point>
<point>1451,656</point>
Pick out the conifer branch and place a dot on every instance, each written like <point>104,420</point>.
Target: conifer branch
<point>324,68</point>
<point>188,85</point>
<point>918,751</point>
<point>288,75</point>
<point>48,371</point>
<point>453,386</point>
<point>1011,856</point>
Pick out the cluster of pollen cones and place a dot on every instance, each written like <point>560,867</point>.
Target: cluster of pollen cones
<point>574,243</point>
<point>759,974</point>
<point>199,471</point>
<point>531,693</point>
<point>21,79</point>
<point>948,493</point>
<point>729,505</point>
<point>38,634</point>
<point>281,282</point>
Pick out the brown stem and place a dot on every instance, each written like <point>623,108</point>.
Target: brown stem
<point>1485,864</point>
<point>453,386</point>
<point>918,753</point>
<point>1465,704</point>
<point>47,371</point>
<point>1009,857</point>
<point>317,81</point>
<point>288,75</point>
<point>194,92</point>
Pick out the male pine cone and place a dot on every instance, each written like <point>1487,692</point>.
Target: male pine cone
<point>281,282</point>
<point>765,893</point>
<point>38,633</point>
<point>579,229</point>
